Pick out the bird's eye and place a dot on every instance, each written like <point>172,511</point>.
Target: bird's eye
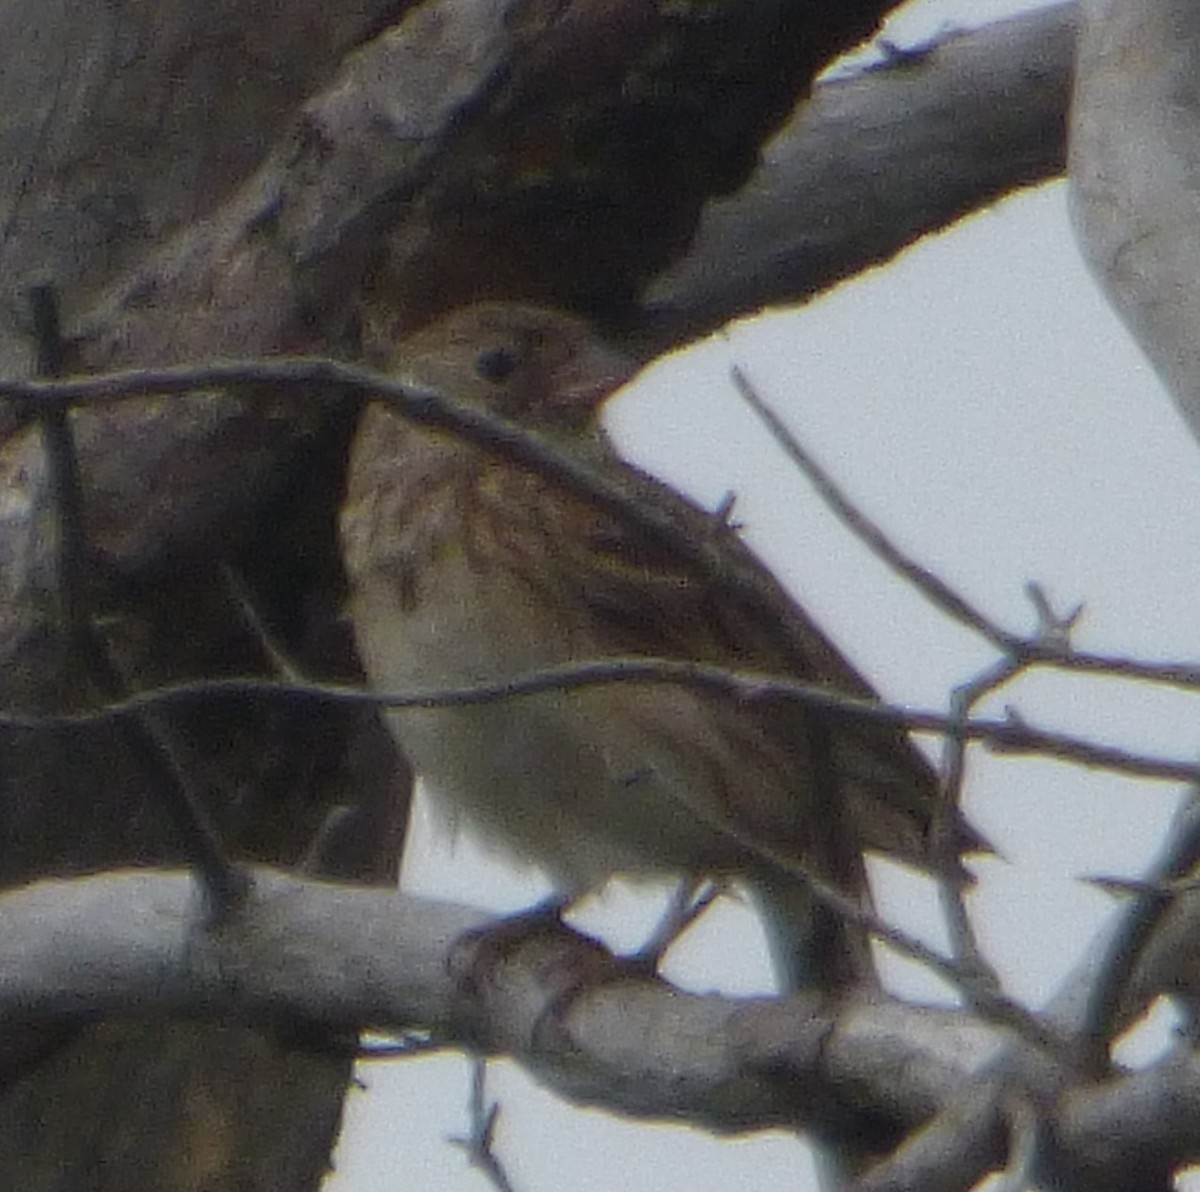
<point>497,364</point>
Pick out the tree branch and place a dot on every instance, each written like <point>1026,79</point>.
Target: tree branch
<point>1135,148</point>
<point>585,1023</point>
<point>871,163</point>
<point>1009,736</point>
<point>349,957</point>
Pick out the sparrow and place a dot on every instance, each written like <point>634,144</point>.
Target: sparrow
<point>465,567</point>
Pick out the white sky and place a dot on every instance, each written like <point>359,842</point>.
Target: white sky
<point>1002,427</point>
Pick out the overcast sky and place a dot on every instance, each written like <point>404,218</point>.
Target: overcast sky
<point>1002,427</point>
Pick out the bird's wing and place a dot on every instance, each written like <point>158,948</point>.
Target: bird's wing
<point>643,596</point>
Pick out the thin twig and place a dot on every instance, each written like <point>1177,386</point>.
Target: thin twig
<point>1040,650</point>
<point>662,516</point>
<point>320,374</point>
<point>1052,628</point>
<point>331,831</point>
<point>291,375</point>
<point>1185,675</point>
<point>305,374</point>
<point>690,898</point>
<point>987,998</point>
<point>274,650</point>
<point>225,886</point>
<point>997,1007</point>
<point>963,942</point>
<point>62,467</point>
<point>952,603</point>
<point>1050,647</point>
<point>1010,735</point>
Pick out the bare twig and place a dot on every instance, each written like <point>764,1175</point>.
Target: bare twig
<point>274,650</point>
<point>963,942</point>
<point>990,1003</point>
<point>1185,675</point>
<point>320,374</point>
<point>1010,735</point>
<point>623,495</point>
<point>223,883</point>
<point>952,603</point>
<point>689,900</point>
<point>1052,650</point>
<point>62,466</point>
<point>1052,628</point>
<point>1051,646</point>
<point>984,995</point>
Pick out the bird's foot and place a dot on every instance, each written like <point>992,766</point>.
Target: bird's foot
<point>534,955</point>
<point>481,952</point>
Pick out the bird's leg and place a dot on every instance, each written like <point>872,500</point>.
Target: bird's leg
<point>689,900</point>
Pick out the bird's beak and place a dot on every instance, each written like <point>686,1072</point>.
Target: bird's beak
<point>591,376</point>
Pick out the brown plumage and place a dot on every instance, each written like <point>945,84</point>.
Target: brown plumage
<point>467,567</point>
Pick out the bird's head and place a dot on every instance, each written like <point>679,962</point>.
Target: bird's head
<point>541,368</point>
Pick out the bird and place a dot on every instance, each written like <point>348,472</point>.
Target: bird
<point>466,566</point>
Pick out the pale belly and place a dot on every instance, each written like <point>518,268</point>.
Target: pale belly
<point>584,784</point>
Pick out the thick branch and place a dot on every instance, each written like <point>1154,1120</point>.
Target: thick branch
<point>1135,149</point>
<point>596,1030</point>
<point>869,164</point>
<point>583,1022</point>
<point>121,126</point>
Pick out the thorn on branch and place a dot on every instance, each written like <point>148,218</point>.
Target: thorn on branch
<point>722,515</point>
<point>1053,631</point>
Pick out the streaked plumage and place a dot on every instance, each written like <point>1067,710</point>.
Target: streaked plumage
<point>466,567</point>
